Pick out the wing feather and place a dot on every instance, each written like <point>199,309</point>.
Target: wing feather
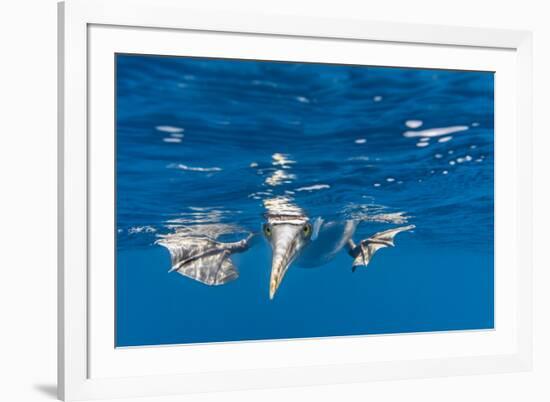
<point>214,269</point>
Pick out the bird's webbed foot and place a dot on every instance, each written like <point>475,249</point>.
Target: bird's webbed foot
<point>363,252</point>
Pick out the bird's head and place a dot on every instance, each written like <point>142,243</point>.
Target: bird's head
<point>287,238</point>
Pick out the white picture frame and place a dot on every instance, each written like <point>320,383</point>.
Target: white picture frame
<point>89,368</point>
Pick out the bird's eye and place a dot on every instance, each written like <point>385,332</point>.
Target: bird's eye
<point>267,230</point>
<point>307,229</point>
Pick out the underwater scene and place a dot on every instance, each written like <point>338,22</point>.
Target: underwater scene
<point>260,200</point>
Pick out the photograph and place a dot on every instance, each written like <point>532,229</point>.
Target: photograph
<point>261,200</point>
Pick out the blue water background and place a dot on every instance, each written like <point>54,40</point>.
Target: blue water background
<point>200,141</point>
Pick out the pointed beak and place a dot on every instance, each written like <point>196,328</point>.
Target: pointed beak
<point>285,245</point>
<point>278,270</point>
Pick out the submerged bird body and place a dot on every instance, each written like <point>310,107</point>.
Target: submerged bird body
<point>328,240</point>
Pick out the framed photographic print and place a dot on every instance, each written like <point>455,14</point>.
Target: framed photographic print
<point>243,197</point>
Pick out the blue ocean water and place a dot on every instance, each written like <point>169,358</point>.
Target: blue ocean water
<point>210,141</point>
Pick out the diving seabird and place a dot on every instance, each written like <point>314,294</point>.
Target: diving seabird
<point>198,254</point>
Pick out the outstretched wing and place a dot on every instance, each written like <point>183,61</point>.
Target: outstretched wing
<point>215,268</point>
<point>363,252</point>
<point>203,259</point>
